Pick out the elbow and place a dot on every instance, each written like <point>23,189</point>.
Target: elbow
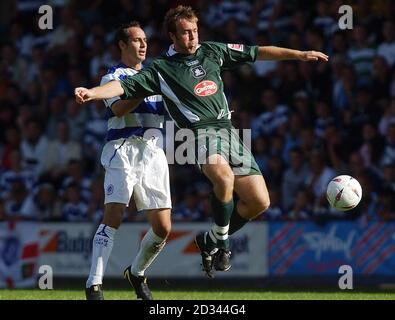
<point>118,113</point>
<point>118,109</point>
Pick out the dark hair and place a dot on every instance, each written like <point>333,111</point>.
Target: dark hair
<point>121,33</point>
<point>180,12</point>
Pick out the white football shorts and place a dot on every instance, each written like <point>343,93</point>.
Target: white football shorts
<point>136,167</point>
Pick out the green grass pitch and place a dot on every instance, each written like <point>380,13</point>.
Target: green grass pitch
<point>36,294</point>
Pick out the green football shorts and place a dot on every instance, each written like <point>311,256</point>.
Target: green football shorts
<point>227,143</point>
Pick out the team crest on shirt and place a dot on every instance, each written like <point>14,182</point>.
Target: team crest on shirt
<point>110,189</point>
<point>198,72</point>
<point>236,47</point>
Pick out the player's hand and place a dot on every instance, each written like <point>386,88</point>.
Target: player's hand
<point>83,95</point>
<point>313,56</point>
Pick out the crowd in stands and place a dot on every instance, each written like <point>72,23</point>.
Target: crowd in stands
<point>309,121</point>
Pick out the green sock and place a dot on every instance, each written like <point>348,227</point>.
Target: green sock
<point>221,213</point>
<point>236,222</point>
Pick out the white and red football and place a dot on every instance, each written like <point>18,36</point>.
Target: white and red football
<point>344,192</point>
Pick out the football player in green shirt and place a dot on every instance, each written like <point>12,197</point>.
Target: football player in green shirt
<point>188,78</point>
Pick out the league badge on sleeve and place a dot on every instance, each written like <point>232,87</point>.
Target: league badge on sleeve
<point>236,47</point>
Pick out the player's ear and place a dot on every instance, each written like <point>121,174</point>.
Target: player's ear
<point>172,36</point>
<point>122,45</point>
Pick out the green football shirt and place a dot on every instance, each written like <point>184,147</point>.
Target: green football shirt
<point>191,85</point>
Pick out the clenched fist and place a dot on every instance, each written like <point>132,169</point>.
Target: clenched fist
<point>83,95</point>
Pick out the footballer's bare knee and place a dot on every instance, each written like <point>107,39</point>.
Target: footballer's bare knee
<point>256,207</point>
<point>222,178</point>
<point>162,230</point>
<point>113,214</point>
<point>262,204</point>
<point>160,221</point>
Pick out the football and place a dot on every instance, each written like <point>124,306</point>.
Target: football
<point>344,192</point>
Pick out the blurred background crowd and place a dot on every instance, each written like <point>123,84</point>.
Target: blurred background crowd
<point>309,121</point>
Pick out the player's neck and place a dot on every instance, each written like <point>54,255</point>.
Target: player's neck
<point>131,63</point>
<point>184,51</point>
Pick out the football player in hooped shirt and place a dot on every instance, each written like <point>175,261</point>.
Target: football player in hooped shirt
<point>188,78</point>
<point>134,166</point>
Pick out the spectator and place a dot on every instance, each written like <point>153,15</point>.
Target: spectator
<point>74,209</point>
<point>387,48</point>
<point>15,65</point>
<point>16,174</point>
<point>380,80</point>
<point>56,110</point>
<point>76,119</point>
<point>275,114</point>
<point>361,54</point>
<point>302,207</point>
<point>12,142</point>
<point>389,149</point>
<point>388,117</point>
<point>323,118</point>
<point>43,204</point>
<point>188,209</point>
<point>318,177</point>
<point>15,201</point>
<point>386,205</point>
<point>294,178</point>
<point>336,148</point>
<point>78,176</point>
<point>323,19</point>
<point>61,151</point>
<point>372,146</point>
<point>63,31</point>
<point>261,153</point>
<point>389,176</point>
<point>34,146</point>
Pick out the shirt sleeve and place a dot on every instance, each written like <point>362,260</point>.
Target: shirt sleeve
<point>107,78</point>
<point>140,85</point>
<point>233,55</point>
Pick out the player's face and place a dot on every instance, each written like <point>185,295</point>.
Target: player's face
<point>186,38</point>
<point>137,44</point>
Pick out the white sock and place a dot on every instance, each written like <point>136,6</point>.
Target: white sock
<point>101,250</point>
<point>150,247</point>
<point>219,233</point>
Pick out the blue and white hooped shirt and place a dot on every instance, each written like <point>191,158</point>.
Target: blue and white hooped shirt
<point>149,114</point>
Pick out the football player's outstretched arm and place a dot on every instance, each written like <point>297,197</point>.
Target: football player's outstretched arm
<point>278,53</point>
<point>106,91</point>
